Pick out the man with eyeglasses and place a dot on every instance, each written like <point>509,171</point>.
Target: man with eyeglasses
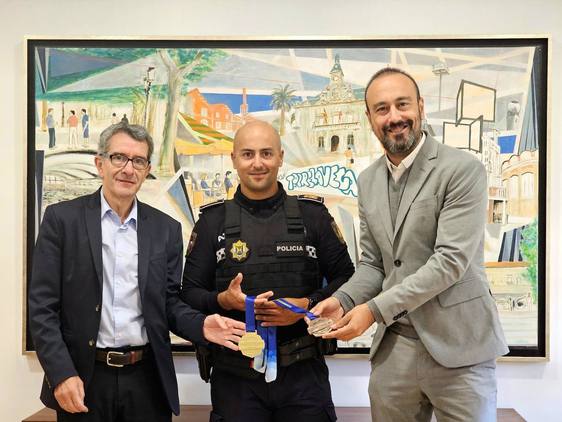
<point>104,294</point>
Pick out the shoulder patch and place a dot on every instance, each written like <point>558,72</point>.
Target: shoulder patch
<point>211,205</point>
<point>310,197</point>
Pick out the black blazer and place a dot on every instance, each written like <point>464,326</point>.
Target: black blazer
<point>65,293</point>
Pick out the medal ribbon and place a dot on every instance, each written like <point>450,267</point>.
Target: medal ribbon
<point>261,359</point>
<point>266,362</point>
<point>271,350</point>
<point>250,314</point>
<point>294,308</point>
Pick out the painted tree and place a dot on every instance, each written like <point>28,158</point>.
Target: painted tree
<point>282,99</point>
<point>183,66</point>
<point>139,104</point>
<point>529,250</point>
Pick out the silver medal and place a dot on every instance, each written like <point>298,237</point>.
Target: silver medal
<point>320,326</point>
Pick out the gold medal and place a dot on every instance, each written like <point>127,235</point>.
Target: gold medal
<point>320,326</point>
<point>251,344</point>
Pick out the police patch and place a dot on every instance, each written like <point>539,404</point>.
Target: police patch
<point>337,232</point>
<point>191,243</point>
<point>290,249</point>
<point>239,251</point>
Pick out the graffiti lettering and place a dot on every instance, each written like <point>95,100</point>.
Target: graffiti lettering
<point>333,176</point>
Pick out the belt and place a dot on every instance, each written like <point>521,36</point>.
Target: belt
<point>303,348</point>
<point>404,330</point>
<point>292,351</point>
<point>120,358</point>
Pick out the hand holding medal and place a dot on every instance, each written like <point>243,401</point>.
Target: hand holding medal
<point>317,326</point>
<point>330,310</point>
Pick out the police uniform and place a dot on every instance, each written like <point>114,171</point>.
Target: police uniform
<point>292,246</point>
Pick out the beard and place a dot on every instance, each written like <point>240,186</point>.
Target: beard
<point>401,144</point>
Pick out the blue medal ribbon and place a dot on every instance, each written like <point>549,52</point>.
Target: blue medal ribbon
<point>294,308</point>
<point>260,361</point>
<point>267,361</point>
<point>271,350</point>
<point>250,314</point>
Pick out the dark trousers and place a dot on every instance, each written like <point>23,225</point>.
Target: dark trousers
<point>52,139</point>
<point>132,393</point>
<point>301,393</point>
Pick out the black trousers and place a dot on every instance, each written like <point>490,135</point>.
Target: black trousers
<point>132,393</point>
<point>301,393</point>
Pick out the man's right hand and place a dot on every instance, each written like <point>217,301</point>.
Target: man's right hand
<point>70,395</point>
<point>233,298</point>
<point>329,308</point>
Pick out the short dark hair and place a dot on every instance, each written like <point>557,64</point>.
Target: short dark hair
<point>389,70</point>
<point>137,132</point>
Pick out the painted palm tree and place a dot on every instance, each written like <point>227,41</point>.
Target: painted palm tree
<point>282,99</point>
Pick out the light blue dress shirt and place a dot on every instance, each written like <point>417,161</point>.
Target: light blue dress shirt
<point>122,321</point>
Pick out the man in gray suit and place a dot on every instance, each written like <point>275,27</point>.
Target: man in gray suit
<point>422,209</point>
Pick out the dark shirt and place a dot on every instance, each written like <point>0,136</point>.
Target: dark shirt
<point>199,288</point>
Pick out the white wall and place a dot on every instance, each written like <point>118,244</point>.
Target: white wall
<point>534,389</point>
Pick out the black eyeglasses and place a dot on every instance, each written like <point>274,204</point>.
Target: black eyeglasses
<point>121,160</point>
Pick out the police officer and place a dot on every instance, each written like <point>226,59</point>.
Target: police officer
<point>271,245</point>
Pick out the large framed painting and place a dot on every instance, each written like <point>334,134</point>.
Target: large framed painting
<point>487,96</point>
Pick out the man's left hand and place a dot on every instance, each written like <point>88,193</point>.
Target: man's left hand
<point>273,315</point>
<point>223,331</point>
<point>353,324</point>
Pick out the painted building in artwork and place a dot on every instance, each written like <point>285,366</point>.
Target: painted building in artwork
<point>217,116</point>
<point>335,119</point>
<point>497,193</point>
<point>521,177</point>
<point>509,285</point>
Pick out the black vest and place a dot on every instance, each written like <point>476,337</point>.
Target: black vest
<point>271,253</point>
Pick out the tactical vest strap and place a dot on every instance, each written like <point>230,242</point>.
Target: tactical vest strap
<point>293,214</point>
<point>232,222</point>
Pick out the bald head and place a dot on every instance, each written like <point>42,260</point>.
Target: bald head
<point>257,157</point>
<point>257,129</point>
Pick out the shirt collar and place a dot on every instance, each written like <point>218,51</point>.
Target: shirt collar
<point>106,208</point>
<point>407,162</point>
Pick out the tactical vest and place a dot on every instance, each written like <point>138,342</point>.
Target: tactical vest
<point>271,252</point>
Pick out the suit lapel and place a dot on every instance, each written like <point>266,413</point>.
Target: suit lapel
<point>381,185</point>
<point>143,241</point>
<point>93,229</point>
<point>420,170</point>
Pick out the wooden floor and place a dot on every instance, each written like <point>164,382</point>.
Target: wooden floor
<point>201,414</point>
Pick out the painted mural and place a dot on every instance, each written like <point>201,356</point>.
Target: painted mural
<point>193,100</point>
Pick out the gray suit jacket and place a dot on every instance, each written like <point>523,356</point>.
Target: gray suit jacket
<point>431,266</point>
